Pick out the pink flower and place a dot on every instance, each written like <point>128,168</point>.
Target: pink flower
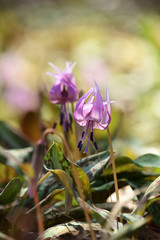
<point>64,91</point>
<point>92,112</point>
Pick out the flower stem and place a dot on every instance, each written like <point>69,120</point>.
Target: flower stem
<point>77,154</point>
<point>77,181</point>
<point>79,188</point>
<point>113,165</point>
<point>38,211</point>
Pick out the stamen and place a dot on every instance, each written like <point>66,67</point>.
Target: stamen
<point>83,134</point>
<point>96,147</point>
<point>61,118</point>
<point>66,126</point>
<point>54,125</point>
<point>92,137</point>
<point>70,118</point>
<point>64,91</point>
<point>80,144</point>
<point>70,126</point>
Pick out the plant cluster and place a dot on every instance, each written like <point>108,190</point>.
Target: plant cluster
<point>49,191</point>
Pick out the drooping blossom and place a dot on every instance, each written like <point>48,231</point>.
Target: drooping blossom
<point>92,112</point>
<point>63,91</point>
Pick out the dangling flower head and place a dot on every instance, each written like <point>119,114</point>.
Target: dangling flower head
<point>92,112</point>
<point>64,90</point>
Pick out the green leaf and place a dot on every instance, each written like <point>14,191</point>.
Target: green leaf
<point>10,138</point>
<point>153,210</point>
<point>9,194</point>
<point>68,201</point>
<point>148,160</point>
<point>154,189</point>
<point>123,164</point>
<point>55,159</point>
<point>64,179</point>
<point>131,217</point>
<point>151,195</point>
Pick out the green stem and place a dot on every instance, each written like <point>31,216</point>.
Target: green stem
<point>113,165</point>
<point>38,211</point>
<point>79,187</point>
<point>77,153</point>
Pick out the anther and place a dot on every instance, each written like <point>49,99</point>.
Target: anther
<point>61,118</point>
<point>80,144</point>
<point>91,137</point>
<point>70,126</point>
<point>54,125</point>
<point>95,144</point>
<point>67,126</point>
<point>70,118</point>
<point>83,134</point>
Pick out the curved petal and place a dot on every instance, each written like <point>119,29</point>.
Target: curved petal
<point>107,99</point>
<point>55,94</point>
<point>78,113</point>
<point>72,94</point>
<point>103,124</point>
<point>87,109</point>
<point>55,67</point>
<point>97,109</point>
<point>58,93</point>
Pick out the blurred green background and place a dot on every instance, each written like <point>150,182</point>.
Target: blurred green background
<point>115,42</point>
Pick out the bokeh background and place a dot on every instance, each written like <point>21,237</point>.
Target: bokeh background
<point>115,42</point>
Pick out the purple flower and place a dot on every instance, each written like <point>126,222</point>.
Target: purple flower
<point>92,112</point>
<point>64,91</point>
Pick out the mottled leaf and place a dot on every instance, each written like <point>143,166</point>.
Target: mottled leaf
<point>93,159</point>
<point>131,217</point>
<point>100,215</point>
<point>94,170</point>
<point>55,159</point>
<point>14,157</point>
<point>72,227</point>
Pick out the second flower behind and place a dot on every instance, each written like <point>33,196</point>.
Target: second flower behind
<point>64,90</point>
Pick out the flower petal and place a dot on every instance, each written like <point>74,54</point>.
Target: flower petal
<point>55,67</point>
<point>64,88</point>
<point>78,113</point>
<point>97,109</point>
